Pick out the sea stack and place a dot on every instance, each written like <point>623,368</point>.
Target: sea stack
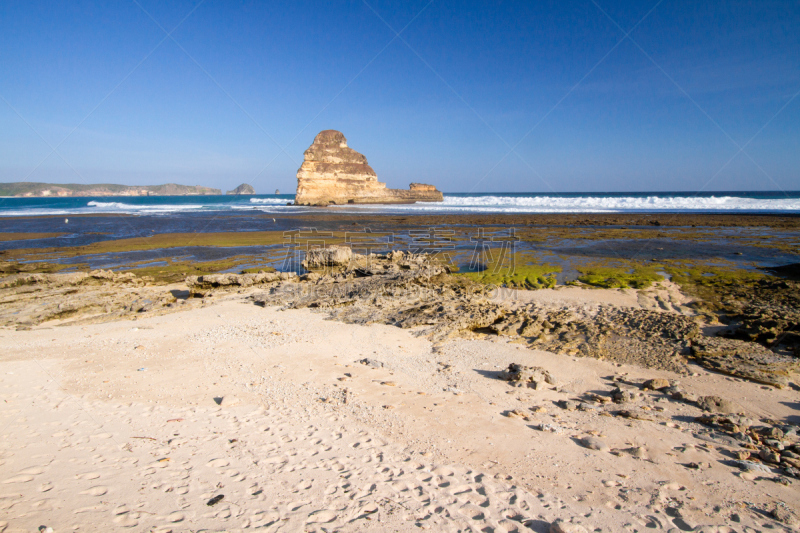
<point>334,173</point>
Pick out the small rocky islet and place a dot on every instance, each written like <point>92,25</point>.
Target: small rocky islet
<point>333,173</point>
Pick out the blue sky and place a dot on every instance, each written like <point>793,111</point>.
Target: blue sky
<point>472,96</point>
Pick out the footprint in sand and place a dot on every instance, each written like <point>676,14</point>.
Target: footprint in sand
<point>43,505</point>
<point>88,475</point>
<point>96,491</point>
<point>126,520</point>
<point>176,517</point>
<point>461,489</point>
<point>217,463</point>
<point>303,485</point>
<point>265,519</point>
<point>296,505</point>
<point>443,471</point>
<point>321,517</point>
<point>9,500</point>
<point>32,471</point>
<point>223,513</point>
<point>19,479</point>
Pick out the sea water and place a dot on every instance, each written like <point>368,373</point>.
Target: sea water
<point>461,203</point>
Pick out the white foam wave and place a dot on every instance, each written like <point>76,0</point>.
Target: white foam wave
<point>35,212</point>
<point>271,201</point>
<point>133,208</point>
<point>595,204</point>
<point>453,204</point>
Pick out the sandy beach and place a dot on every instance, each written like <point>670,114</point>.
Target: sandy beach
<point>218,414</point>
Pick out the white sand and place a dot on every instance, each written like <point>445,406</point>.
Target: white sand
<point>90,442</point>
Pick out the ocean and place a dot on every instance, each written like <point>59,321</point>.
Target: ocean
<point>461,203</point>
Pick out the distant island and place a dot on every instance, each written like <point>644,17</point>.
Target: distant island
<point>33,189</point>
<point>244,188</point>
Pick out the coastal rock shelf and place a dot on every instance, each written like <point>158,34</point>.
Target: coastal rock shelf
<point>415,291</point>
<point>334,173</point>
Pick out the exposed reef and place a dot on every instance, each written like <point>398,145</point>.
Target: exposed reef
<point>419,292</point>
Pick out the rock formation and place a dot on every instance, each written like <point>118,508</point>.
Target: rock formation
<point>244,188</point>
<point>334,173</point>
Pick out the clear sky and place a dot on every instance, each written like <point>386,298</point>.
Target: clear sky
<point>471,96</point>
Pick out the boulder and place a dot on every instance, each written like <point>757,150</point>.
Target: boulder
<point>656,384</point>
<point>593,443</point>
<point>200,285</point>
<point>568,405</point>
<point>331,256</point>
<point>715,404</point>
<point>334,173</point>
<point>531,376</point>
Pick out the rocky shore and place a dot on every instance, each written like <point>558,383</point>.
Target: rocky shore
<point>418,292</point>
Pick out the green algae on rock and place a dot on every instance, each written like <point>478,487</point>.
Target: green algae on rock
<point>14,267</point>
<point>637,277</point>
<point>10,236</point>
<point>520,272</point>
<point>760,307</point>
<point>174,271</point>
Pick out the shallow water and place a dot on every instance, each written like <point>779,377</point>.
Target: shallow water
<point>726,246</point>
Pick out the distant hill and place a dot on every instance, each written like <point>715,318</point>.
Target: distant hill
<point>32,189</point>
<point>244,188</point>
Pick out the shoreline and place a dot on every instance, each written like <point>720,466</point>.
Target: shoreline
<point>783,220</point>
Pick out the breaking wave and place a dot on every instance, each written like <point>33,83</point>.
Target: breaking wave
<point>744,202</point>
<point>589,203</point>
